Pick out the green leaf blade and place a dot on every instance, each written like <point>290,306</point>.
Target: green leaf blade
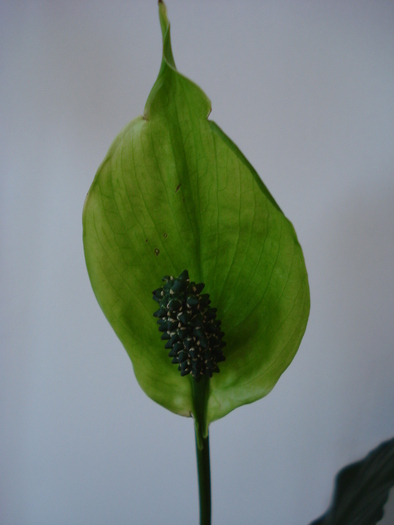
<point>263,298</point>
<point>175,193</point>
<point>362,489</point>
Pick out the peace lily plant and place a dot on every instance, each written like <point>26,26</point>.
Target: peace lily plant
<point>192,261</point>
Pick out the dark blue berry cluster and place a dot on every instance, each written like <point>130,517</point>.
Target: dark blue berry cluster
<point>190,325</point>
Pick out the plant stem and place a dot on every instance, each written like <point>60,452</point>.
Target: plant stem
<point>204,481</point>
<point>200,391</point>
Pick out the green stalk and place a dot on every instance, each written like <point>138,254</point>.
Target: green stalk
<point>204,481</point>
<point>200,400</point>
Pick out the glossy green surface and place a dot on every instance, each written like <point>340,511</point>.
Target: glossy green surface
<point>362,489</point>
<point>174,193</point>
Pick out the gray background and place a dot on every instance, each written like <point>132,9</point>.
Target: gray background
<point>305,88</point>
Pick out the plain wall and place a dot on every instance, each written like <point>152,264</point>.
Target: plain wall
<point>305,89</point>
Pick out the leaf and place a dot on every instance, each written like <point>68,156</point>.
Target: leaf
<point>361,489</point>
<point>172,194</point>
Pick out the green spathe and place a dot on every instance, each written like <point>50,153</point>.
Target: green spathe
<point>174,193</point>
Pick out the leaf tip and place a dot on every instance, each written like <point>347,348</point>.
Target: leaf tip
<point>163,15</point>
